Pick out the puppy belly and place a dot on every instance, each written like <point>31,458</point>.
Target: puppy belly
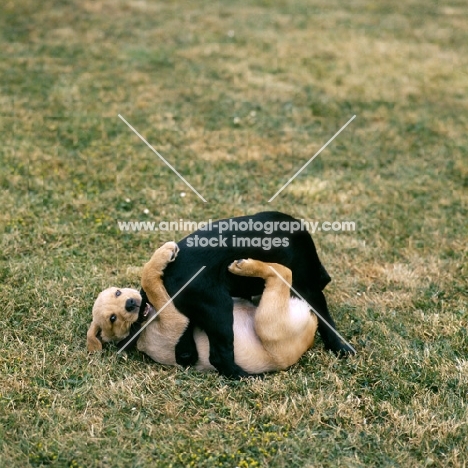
<point>157,346</point>
<point>249,352</point>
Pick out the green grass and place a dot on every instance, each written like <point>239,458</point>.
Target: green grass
<point>237,96</point>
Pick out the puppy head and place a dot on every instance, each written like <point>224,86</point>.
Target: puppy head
<point>114,312</point>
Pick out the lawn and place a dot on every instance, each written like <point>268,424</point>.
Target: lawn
<point>236,96</point>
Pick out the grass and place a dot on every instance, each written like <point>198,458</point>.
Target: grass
<point>237,97</point>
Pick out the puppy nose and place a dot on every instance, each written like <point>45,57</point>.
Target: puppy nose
<point>130,304</point>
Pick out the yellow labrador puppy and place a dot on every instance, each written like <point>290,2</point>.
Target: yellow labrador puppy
<point>270,336</point>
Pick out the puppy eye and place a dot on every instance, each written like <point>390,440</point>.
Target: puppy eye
<point>113,318</point>
<point>118,293</point>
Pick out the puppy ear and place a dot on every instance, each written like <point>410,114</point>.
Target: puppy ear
<point>92,342</point>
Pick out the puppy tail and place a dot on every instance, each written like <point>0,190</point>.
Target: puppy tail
<point>93,343</point>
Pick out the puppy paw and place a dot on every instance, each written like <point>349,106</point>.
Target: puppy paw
<point>246,267</point>
<point>235,266</point>
<point>168,252</point>
<point>259,269</point>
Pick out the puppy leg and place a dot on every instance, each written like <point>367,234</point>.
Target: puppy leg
<point>328,332</point>
<point>171,321</point>
<point>310,278</point>
<point>213,313</point>
<point>153,271</point>
<point>285,333</point>
<point>273,310</point>
<point>186,349</point>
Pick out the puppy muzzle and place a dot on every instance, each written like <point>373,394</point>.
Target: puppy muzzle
<point>131,305</point>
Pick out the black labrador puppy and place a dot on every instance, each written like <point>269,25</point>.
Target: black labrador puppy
<point>207,300</point>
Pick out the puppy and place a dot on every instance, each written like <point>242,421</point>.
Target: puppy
<point>207,300</point>
<point>114,311</point>
<point>268,337</point>
<point>118,312</point>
